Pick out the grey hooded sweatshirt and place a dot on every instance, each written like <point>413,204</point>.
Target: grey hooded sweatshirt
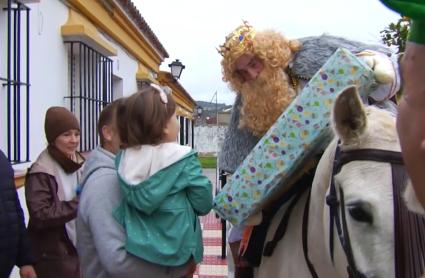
<point>100,238</point>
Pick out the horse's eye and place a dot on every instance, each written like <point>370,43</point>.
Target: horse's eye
<point>359,213</point>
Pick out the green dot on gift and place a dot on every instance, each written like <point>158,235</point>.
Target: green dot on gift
<point>341,71</point>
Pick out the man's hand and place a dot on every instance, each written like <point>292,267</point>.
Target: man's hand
<point>27,271</point>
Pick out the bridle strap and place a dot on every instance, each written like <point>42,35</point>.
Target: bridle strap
<point>368,155</point>
<point>342,158</point>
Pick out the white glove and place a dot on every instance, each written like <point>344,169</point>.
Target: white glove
<point>386,74</point>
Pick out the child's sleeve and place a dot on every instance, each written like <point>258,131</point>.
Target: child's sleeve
<point>199,188</point>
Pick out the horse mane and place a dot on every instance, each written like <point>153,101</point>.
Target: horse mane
<point>409,231</point>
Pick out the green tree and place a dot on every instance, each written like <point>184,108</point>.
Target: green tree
<point>395,34</point>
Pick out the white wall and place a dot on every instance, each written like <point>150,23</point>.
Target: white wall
<point>208,138</point>
<point>48,67</point>
<point>125,67</point>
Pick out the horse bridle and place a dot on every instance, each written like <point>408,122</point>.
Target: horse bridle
<point>336,205</point>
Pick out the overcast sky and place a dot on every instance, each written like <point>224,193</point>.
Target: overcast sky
<point>190,30</point>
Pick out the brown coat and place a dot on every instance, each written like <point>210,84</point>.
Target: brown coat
<point>57,256</point>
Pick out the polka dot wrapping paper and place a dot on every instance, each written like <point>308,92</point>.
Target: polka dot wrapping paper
<point>300,132</point>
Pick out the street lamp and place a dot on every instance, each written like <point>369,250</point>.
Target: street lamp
<point>176,69</point>
<point>199,111</point>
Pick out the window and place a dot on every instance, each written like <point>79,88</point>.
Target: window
<point>90,89</point>
<point>14,78</point>
<point>192,133</point>
<point>186,125</point>
<point>182,133</point>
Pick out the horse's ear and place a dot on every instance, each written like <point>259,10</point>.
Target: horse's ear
<point>349,116</point>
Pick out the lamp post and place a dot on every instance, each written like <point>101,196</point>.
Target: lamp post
<point>199,111</point>
<point>176,69</point>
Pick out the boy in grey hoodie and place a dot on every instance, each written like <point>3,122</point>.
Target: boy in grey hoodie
<point>101,239</point>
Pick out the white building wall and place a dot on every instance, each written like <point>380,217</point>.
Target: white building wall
<point>48,67</point>
<point>209,138</point>
<point>124,69</point>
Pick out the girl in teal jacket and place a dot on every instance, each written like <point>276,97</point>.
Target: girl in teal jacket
<point>163,188</point>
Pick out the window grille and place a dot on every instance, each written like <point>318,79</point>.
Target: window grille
<point>14,77</point>
<point>90,89</point>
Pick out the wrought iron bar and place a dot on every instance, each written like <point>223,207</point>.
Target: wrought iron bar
<point>27,83</point>
<point>17,104</point>
<point>92,90</point>
<point>9,75</point>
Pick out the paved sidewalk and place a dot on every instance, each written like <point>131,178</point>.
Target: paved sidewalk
<point>212,266</point>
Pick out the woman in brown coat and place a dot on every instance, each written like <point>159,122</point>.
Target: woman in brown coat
<point>50,191</point>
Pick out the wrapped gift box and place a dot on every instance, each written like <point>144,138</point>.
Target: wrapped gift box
<point>302,130</point>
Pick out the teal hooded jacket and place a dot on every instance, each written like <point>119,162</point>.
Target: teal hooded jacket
<point>160,214</point>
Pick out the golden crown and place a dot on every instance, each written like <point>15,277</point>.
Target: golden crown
<point>238,40</point>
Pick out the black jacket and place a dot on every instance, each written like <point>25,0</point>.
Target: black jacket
<point>14,243</point>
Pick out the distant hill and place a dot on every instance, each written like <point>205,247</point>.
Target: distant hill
<point>211,106</point>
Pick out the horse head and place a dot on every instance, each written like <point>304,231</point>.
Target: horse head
<point>364,189</point>
<point>366,185</point>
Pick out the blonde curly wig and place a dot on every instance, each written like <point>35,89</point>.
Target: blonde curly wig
<point>266,97</point>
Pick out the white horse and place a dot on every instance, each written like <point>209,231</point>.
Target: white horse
<point>368,197</point>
